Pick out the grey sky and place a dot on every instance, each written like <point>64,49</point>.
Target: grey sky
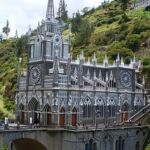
<point>22,13</point>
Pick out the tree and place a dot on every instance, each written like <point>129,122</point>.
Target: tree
<point>84,34</point>
<point>62,11</point>
<point>85,10</point>
<point>59,9</point>
<point>6,29</point>
<point>76,22</point>
<point>119,47</point>
<point>124,4</point>
<point>21,45</point>
<point>133,41</point>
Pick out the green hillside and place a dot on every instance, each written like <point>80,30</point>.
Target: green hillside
<point>8,75</point>
<point>115,31</point>
<point>104,30</point>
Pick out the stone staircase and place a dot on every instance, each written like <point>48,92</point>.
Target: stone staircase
<point>139,115</point>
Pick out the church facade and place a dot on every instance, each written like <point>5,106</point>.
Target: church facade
<point>59,91</point>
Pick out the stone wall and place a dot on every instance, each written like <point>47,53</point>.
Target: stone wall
<point>53,139</point>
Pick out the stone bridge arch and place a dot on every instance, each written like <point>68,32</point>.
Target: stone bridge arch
<point>30,136</point>
<point>27,144</point>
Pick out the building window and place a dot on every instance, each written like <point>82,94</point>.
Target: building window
<point>99,108</point>
<point>99,111</point>
<point>125,107</point>
<point>87,108</point>
<point>48,48</point>
<point>32,51</point>
<point>111,110</point>
<point>137,146</point>
<point>91,145</point>
<point>119,145</point>
<point>116,145</point>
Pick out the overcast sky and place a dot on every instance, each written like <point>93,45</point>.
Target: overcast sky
<point>22,13</point>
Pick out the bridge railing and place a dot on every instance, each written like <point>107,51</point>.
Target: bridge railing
<point>139,114</point>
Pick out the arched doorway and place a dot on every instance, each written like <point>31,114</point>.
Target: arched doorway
<point>74,117</point>
<point>22,113</point>
<point>49,118</point>
<point>120,143</point>
<point>137,146</point>
<point>91,145</point>
<point>34,107</point>
<point>47,110</point>
<point>62,117</point>
<point>125,112</point>
<point>27,144</point>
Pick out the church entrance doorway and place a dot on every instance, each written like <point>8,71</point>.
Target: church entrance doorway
<point>36,118</point>
<point>34,107</point>
<point>22,114</point>
<point>125,112</point>
<point>22,117</point>
<point>49,118</point>
<point>62,117</point>
<point>74,117</point>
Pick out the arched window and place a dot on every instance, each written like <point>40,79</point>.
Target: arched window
<point>32,50</point>
<point>111,108</point>
<point>86,146</point>
<point>123,144</point>
<point>91,145</point>
<point>62,117</point>
<point>137,146</point>
<point>74,117</point>
<point>119,145</point>
<point>48,117</point>
<point>48,48</point>
<point>22,113</point>
<point>125,107</point>
<point>34,107</point>
<point>87,108</point>
<point>99,108</point>
<point>116,145</point>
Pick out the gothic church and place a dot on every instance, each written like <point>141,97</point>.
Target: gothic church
<point>59,91</point>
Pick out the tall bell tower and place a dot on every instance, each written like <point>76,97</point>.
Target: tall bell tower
<point>44,46</point>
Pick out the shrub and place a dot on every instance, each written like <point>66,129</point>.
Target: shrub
<point>140,27</point>
<point>124,19</point>
<point>146,61</point>
<point>119,47</point>
<point>133,41</point>
<point>99,39</point>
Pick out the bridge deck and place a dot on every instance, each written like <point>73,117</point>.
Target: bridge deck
<point>73,130</point>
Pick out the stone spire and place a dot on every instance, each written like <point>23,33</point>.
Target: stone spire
<point>143,82</point>
<point>122,61</point>
<point>105,61</point>
<point>118,59</point>
<point>50,10</point>
<point>94,60</point>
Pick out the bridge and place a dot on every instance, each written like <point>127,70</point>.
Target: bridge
<point>131,135</point>
<point>121,138</point>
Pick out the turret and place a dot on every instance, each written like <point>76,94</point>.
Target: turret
<point>94,60</point>
<point>118,59</point>
<point>50,10</point>
<point>105,61</point>
<point>122,62</point>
